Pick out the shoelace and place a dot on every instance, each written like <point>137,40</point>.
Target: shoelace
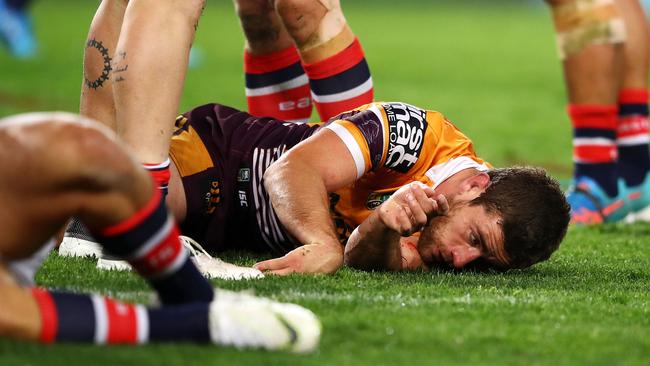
<point>193,246</point>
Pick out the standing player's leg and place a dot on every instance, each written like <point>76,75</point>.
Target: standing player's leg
<point>97,87</point>
<point>331,54</point>
<point>590,36</point>
<point>632,131</point>
<point>149,69</point>
<point>58,166</point>
<point>276,84</point>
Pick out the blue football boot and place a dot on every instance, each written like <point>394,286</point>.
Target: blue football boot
<point>591,205</point>
<point>639,201</point>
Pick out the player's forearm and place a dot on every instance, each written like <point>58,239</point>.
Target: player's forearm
<point>373,246</point>
<point>300,200</point>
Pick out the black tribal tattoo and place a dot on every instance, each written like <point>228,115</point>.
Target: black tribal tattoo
<point>99,82</point>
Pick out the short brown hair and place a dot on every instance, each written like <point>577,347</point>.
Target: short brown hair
<point>534,212</point>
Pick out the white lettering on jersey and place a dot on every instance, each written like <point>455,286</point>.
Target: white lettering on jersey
<point>406,128</point>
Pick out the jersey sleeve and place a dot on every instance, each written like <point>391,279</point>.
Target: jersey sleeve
<point>389,135</point>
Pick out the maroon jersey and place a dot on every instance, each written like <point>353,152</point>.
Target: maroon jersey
<point>221,154</point>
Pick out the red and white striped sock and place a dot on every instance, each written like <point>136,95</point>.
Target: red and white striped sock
<point>340,82</point>
<point>160,173</point>
<point>149,241</point>
<point>594,144</point>
<point>276,86</point>
<point>67,317</point>
<point>632,136</point>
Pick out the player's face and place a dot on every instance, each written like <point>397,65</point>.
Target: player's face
<point>465,234</point>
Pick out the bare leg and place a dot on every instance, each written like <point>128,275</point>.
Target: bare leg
<point>637,45</point>
<point>314,23</point>
<point>97,86</point>
<point>149,71</point>
<point>262,27</point>
<point>19,314</point>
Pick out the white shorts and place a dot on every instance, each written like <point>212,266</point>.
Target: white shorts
<point>24,270</point>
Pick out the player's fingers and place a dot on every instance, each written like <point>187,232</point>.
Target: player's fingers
<point>418,215</point>
<point>272,264</point>
<point>404,222</point>
<point>428,191</point>
<point>426,204</point>
<point>443,205</point>
<point>282,272</point>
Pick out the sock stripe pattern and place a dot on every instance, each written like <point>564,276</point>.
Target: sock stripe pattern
<point>69,317</point>
<point>632,136</point>
<point>117,322</point>
<point>148,240</point>
<point>340,82</point>
<point>276,86</point>
<point>633,117</point>
<point>160,173</point>
<point>49,318</point>
<point>594,133</point>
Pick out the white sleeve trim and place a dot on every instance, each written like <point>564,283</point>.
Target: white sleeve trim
<point>439,173</point>
<point>352,146</point>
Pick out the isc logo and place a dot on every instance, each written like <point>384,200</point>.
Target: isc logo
<point>289,105</point>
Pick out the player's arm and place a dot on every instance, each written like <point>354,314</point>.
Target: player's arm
<point>298,185</point>
<point>382,241</point>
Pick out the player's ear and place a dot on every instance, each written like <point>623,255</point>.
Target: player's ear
<point>480,181</point>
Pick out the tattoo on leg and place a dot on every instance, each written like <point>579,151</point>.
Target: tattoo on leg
<point>99,82</point>
<point>120,66</point>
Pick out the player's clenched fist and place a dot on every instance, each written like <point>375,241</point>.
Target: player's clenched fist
<point>409,209</point>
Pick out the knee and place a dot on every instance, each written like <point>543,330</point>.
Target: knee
<point>258,20</point>
<point>301,14</point>
<point>90,157</point>
<point>66,150</point>
<point>580,24</point>
<point>303,18</point>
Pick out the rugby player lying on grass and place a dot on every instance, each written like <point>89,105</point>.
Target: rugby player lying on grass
<point>259,184</point>
<point>245,182</point>
<point>56,165</point>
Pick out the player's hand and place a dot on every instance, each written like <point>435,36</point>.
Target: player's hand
<point>411,207</point>
<point>309,258</point>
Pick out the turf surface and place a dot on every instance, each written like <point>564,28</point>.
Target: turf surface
<point>493,71</point>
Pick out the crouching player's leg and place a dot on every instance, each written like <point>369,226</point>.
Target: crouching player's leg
<point>59,166</point>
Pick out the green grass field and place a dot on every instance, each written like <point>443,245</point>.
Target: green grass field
<point>491,69</point>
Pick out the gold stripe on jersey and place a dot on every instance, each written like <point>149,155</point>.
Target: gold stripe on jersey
<point>188,151</point>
